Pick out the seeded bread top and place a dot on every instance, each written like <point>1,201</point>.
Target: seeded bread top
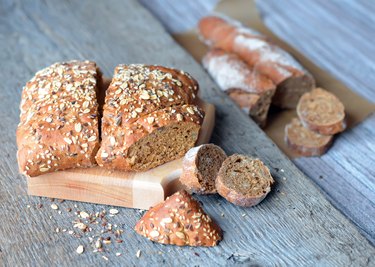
<point>179,220</point>
<point>58,126</point>
<point>137,90</point>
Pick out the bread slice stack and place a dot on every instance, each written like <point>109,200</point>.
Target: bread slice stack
<point>255,57</point>
<point>320,116</point>
<point>150,117</point>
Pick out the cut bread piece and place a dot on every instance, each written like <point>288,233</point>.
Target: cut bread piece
<point>304,141</point>
<point>248,88</point>
<point>244,181</point>
<point>58,127</point>
<point>291,79</point>
<point>181,221</point>
<point>200,168</point>
<point>152,140</point>
<point>149,117</point>
<point>322,112</point>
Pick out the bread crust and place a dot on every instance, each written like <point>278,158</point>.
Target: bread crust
<point>322,112</point>
<point>260,54</point>
<point>141,100</point>
<point>305,142</point>
<point>58,126</point>
<point>179,220</point>
<point>248,88</point>
<point>191,175</point>
<point>235,196</point>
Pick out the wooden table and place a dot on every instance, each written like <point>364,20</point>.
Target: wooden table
<point>295,225</point>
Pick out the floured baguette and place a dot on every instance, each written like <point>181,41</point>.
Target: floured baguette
<point>244,181</point>
<point>149,117</point>
<point>249,89</point>
<point>58,126</point>
<point>179,220</point>
<point>200,168</point>
<point>304,141</point>
<point>322,112</point>
<point>291,78</point>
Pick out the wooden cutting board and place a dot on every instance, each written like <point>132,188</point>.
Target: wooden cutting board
<point>127,189</point>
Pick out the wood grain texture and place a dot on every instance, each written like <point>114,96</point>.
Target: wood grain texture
<point>295,225</point>
<point>335,36</point>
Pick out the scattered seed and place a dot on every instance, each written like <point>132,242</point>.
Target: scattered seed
<point>138,253</point>
<point>98,243</point>
<point>84,214</point>
<point>118,254</point>
<point>80,249</point>
<point>54,206</point>
<point>113,211</point>
<point>105,258</point>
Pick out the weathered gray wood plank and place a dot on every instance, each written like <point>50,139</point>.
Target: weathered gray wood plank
<point>295,225</point>
<point>335,35</point>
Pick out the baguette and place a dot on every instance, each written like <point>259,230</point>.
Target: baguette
<point>291,79</point>
<point>179,220</point>
<point>58,126</point>
<point>200,167</point>
<point>305,142</point>
<point>322,112</point>
<point>149,117</point>
<point>249,89</point>
<point>243,181</point>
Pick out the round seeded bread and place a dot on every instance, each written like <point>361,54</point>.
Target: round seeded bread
<point>200,167</point>
<point>244,181</point>
<point>322,112</point>
<point>304,141</point>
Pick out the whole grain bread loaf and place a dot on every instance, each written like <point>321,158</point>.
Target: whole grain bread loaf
<point>291,79</point>
<point>322,112</point>
<point>200,167</point>
<point>243,181</point>
<point>249,89</point>
<point>305,142</point>
<point>179,220</point>
<point>149,117</point>
<point>58,126</point>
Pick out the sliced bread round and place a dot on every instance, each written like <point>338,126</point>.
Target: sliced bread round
<point>244,181</point>
<point>322,112</point>
<point>304,141</point>
<point>200,167</point>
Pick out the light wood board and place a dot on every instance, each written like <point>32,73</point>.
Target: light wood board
<point>127,189</point>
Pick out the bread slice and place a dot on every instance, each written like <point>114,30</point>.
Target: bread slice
<point>149,117</point>
<point>249,89</point>
<point>200,168</point>
<point>179,220</point>
<point>304,141</point>
<point>322,112</point>
<point>244,181</point>
<point>58,126</point>
<point>291,79</point>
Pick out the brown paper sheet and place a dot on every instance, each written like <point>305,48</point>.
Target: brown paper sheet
<point>357,108</point>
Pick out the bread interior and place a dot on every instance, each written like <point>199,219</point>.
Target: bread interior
<point>163,145</point>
